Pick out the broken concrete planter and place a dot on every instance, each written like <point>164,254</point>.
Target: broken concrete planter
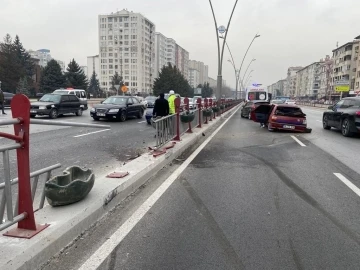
<point>73,186</point>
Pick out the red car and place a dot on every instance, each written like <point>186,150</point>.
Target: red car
<point>281,117</point>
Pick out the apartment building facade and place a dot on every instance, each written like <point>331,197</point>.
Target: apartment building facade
<point>127,46</point>
<point>326,73</point>
<point>308,81</point>
<point>203,70</point>
<point>93,64</point>
<point>291,79</point>
<point>167,51</point>
<point>346,63</point>
<point>194,77</point>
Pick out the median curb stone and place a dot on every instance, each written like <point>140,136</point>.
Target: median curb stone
<point>68,222</point>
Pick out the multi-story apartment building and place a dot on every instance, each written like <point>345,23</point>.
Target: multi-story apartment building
<point>194,76</point>
<point>203,70</point>
<point>167,51</point>
<point>326,77</point>
<point>290,88</point>
<point>126,46</point>
<point>93,64</point>
<point>278,88</point>
<point>308,81</point>
<point>44,57</point>
<point>345,64</point>
<point>212,82</point>
<point>357,67</point>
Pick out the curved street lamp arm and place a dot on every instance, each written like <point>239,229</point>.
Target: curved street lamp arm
<point>227,30</point>
<point>217,37</point>
<point>242,62</point>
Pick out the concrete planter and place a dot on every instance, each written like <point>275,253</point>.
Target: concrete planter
<point>207,112</point>
<point>187,117</point>
<point>73,186</point>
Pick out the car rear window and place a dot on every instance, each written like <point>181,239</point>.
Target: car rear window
<point>289,111</point>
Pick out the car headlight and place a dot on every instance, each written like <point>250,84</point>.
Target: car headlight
<point>42,107</point>
<point>52,106</point>
<point>92,110</point>
<point>113,110</point>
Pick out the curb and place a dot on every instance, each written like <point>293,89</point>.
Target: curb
<point>69,222</point>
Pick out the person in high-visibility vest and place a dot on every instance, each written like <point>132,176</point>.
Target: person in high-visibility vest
<point>171,101</point>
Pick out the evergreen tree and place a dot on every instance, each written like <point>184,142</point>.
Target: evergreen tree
<point>23,87</point>
<point>170,78</point>
<point>117,80</point>
<point>94,86</point>
<point>75,76</point>
<point>23,58</point>
<point>51,77</point>
<point>9,68</point>
<point>206,90</point>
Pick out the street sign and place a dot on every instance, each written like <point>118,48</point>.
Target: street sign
<point>342,88</point>
<point>117,86</point>
<point>197,91</point>
<point>124,88</point>
<point>342,82</point>
<point>222,29</point>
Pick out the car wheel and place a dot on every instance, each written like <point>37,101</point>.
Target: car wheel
<point>53,114</point>
<point>96,118</point>
<point>325,123</point>
<point>79,112</point>
<point>140,114</point>
<point>345,128</point>
<point>123,116</point>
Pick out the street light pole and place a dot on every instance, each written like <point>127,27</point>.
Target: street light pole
<point>242,62</point>
<point>242,81</point>
<point>221,54</point>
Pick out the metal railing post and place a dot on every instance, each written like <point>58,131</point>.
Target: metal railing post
<point>200,111</point>
<point>177,119</point>
<point>20,107</point>
<point>212,111</point>
<point>206,104</point>
<point>7,189</point>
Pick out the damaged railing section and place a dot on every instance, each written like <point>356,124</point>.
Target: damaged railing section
<point>165,129</point>
<point>6,202</point>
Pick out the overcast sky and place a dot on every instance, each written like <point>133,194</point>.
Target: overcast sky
<point>293,32</point>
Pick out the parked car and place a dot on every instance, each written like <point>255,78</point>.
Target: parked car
<point>119,108</point>
<point>281,117</point>
<point>344,115</point>
<point>7,98</point>
<point>150,101</point>
<point>54,105</point>
<point>277,101</point>
<point>290,102</point>
<point>80,93</point>
<point>249,106</point>
<point>142,101</point>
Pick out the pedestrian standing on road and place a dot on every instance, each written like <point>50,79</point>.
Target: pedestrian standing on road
<point>171,101</point>
<point>161,107</point>
<point>2,100</point>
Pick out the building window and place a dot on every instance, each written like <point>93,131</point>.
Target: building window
<point>126,60</point>
<point>126,24</point>
<point>103,38</point>
<point>111,72</point>
<point>126,43</point>
<point>110,60</point>
<point>110,37</point>
<point>110,54</point>
<point>134,61</point>
<point>111,66</point>
<point>126,77</point>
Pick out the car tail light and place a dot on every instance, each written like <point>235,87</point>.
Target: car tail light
<point>357,114</point>
<point>273,117</point>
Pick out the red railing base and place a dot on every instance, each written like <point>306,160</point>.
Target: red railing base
<point>24,233</point>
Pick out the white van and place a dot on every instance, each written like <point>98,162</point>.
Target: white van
<point>80,93</point>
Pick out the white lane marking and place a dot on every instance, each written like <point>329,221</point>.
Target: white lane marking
<point>298,141</point>
<point>348,183</point>
<point>81,135</point>
<point>141,122</point>
<point>105,250</point>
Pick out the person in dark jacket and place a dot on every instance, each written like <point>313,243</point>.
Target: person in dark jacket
<point>161,107</point>
<point>2,101</point>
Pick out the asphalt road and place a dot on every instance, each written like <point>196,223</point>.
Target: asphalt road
<point>95,148</point>
<point>251,199</point>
